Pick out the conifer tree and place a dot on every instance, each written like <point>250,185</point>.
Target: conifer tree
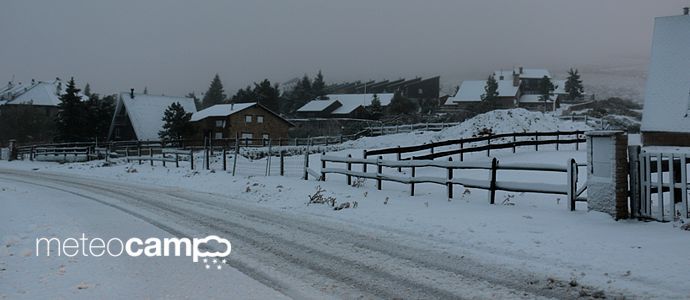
<point>72,117</point>
<point>215,94</point>
<point>375,108</point>
<point>573,86</point>
<point>177,124</point>
<point>546,88</point>
<point>318,87</point>
<point>490,89</point>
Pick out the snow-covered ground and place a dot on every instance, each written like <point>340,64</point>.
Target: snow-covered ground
<point>558,252</point>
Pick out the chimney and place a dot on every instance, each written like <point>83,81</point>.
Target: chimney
<point>686,10</point>
<point>131,93</point>
<point>516,79</point>
<point>232,106</point>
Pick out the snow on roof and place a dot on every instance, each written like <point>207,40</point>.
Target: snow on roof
<point>472,90</point>
<point>667,103</point>
<point>317,105</point>
<point>526,73</point>
<point>534,98</point>
<point>350,102</point>
<point>220,110</point>
<point>146,112</point>
<point>37,93</point>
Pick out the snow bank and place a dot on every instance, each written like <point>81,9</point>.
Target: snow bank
<point>498,121</point>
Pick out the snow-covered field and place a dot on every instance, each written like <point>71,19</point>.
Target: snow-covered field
<point>527,242</point>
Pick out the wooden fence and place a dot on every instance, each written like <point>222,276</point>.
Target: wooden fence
<point>659,184</point>
<point>568,188</point>
<point>383,130</point>
<point>490,142</point>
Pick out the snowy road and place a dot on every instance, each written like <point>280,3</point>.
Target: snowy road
<point>302,256</point>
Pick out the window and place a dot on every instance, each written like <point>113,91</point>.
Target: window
<point>117,132</point>
<point>265,136</point>
<point>218,135</point>
<point>246,137</point>
<point>247,119</point>
<point>259,119</point>
<point>220,123</point>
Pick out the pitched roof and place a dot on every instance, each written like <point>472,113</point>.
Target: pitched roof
<point>42,93</point>
<point>472,90</point>
<point>667,103</point>
<point>220,110</point>
<point>526,73</point>
<point>317,105</point>
<point>146,112</point>
<point>350,102</point>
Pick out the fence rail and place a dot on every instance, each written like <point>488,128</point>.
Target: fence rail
<point>568,188</point>
<point>490,144</point>
<point>383,130</point>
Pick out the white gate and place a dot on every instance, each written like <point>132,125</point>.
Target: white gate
<point>659,183</point>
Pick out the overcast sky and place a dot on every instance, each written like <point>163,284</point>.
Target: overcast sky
<point>175,46</point>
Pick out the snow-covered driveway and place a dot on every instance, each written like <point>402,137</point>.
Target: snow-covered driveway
<point>299,255</point>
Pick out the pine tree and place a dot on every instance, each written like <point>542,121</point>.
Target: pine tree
<point>87,90</point>
<point>318,87</point>
<point>573,86</point>
<point>267,95</point>
<point>215,94</point>
<point>401,105</point>
<point>177,124</point>
<point>99,115</point>
<point>546,88</point>
<point>375,108</point>
<point>490,89</point>
<point>71,121</point>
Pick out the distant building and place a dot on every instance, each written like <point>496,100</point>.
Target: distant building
<point>516,88</point>
<point>666,115</point>
<point>353,106</point>
<point>250,121</point>
<point>39,99</point>
<point>140,116</point>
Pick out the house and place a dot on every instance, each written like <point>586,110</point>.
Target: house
<point>140,116</point>
<point>666,113</point>
<point>352,106</point>
<point>37,100</point>
<point>516,88</point>
<point>250,121</point>
<point>471,91</point>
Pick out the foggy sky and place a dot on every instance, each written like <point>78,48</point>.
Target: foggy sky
<point>175,46</point>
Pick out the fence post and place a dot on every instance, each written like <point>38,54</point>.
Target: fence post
<point>306,165</point>
<point>234,157</point>
<point>207,159</point>
<point>349,168</point>
<point>323,166</point>
<point>492,185</point>
<point>399,157</point>
<point>572,184</point>
<point>177,160</point>
<point>488,147</point>
<point>364,165</point>
<point>514,141</point>
<point>536,141</point>
<point>558,139</point>
<point>282,162</point>
<point>191,158</point>
<point>450,179</point>
<point>151,155</point>
<point>414,173</point>
<point>634,159</point>
<point>225,161</point>
<point>684,186</point>
<point>379,172</point>
<point>462,154</point>
<point>31,154</point>
<point>139,151</point>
